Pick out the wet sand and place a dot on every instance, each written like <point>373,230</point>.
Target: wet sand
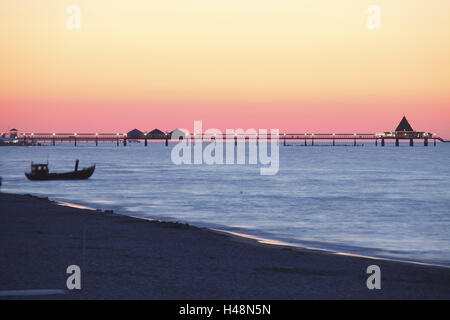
<point>128,258</point>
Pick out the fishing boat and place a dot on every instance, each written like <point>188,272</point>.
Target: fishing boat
<point>41,172</point>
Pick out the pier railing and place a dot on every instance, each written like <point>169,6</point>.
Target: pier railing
<point>306,138</point>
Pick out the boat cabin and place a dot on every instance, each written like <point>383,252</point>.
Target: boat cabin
<point>39,168</point>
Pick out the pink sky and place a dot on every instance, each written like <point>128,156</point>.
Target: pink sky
<point>289,117</point>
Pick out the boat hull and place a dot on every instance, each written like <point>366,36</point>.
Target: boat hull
<point>74,175</point>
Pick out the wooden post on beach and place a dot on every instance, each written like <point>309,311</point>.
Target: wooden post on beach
<point>334,140</point>
<point>411,142</point>
<point>75,140</point>
<point>382,142</point>
<point>167,140</point>
<point>397,142</point>
<point>425,142</point>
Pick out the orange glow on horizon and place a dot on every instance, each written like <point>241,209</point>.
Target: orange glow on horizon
<point>299,66</point>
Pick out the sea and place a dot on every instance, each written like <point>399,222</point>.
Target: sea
<point>385,202</point>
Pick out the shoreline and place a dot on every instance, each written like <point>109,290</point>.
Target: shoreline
<point>130,252</point>
<point>270,242</point>
<point>248,237</point>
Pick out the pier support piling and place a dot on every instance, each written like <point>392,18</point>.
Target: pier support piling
<point>124,142</point>
<point>425,142</point>
<point>397,142</point>
<point>411,142</point>
<point>435,142</point>
<point>382,142</point>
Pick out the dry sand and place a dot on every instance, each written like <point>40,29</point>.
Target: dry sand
<point>128,258</point>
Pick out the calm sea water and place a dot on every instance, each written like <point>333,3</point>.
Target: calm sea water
<point>384,202</point>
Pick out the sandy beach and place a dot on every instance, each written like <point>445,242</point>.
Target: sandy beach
<point>128,258</point>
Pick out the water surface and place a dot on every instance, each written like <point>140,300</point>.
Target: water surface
<point>384,202</point>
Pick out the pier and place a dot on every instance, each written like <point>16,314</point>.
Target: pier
<point>303,139</point>
<point>403,133</point>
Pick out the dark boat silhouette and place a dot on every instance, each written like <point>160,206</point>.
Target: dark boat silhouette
<point>40,172</point>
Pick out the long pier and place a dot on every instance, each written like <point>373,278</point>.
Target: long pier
<point>306,139</point>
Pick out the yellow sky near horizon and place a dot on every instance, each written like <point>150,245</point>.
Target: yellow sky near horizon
<point>281,49</point>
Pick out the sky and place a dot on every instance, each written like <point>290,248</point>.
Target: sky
<point>294,65</point>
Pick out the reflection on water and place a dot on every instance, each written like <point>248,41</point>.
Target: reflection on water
<point>258,239</point>
<point>384,202</point>
<point>73,205</point>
